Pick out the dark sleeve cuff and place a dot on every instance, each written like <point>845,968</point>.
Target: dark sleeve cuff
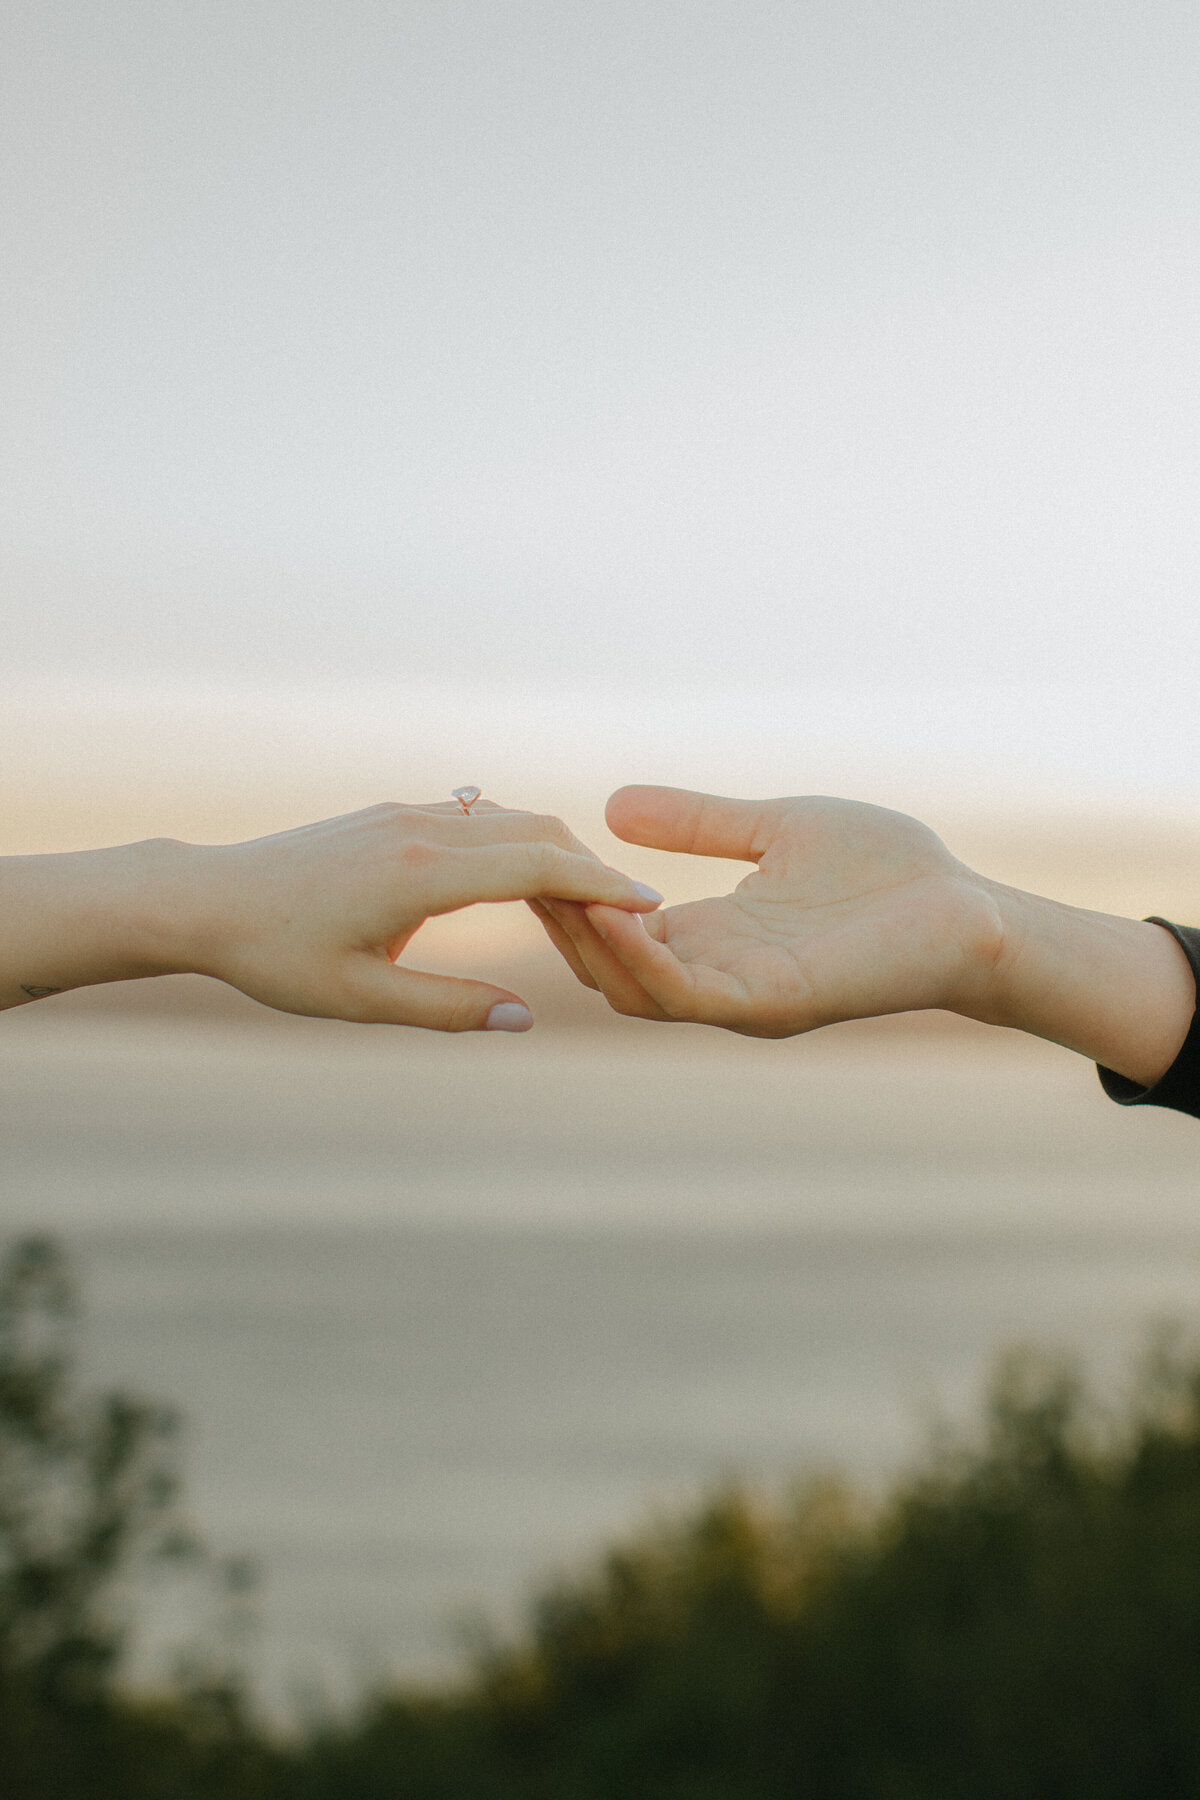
<point>1180,1086</point>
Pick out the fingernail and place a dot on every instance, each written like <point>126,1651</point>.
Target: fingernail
<point>648,893</point>
<point>509,1015</point>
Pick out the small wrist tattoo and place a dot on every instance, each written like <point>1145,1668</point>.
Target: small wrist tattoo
<point>39,993</point>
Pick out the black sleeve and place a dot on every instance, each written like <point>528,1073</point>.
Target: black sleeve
<point>1180,1086</point>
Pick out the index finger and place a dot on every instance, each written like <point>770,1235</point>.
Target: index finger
<point>667,818</point>
<point>530,869</point>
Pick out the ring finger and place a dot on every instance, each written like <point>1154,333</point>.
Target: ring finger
<point>491,824</point>
<point>623,992</point>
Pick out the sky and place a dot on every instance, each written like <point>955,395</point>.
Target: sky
<point>770,395</point>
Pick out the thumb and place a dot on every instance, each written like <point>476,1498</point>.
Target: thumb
<point>700,824</point>
<point>383,994</point>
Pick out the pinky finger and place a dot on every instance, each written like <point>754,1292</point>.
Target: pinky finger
<point>670,984</point>
<point>623,993</point>
<point>563,945</point>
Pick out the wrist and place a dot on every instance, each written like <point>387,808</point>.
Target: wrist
<point>165,913</point>
<point>91,916</point>
<point>1002,992</point>
<point>128,910</point>
<point>1119,991</point>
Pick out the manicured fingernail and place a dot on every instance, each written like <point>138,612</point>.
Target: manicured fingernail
<point>648,893</point>
<point>509,1015</point>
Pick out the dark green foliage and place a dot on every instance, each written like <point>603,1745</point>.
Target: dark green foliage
<point>88,1501</point>
<point>85,1491</point>
<point>1019,1621</point>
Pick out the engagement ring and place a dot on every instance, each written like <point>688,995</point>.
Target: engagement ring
<point>466,797</point>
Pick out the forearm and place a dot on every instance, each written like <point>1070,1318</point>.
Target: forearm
<point>1119,991</point>
<point>89,916</point>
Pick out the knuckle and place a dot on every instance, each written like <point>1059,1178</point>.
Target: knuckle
<point>681,1008</point>
<point>359,1008</point>
<point>459,1012</point>
<point>638,1009</point>
<point>549,828</point>
<point>420,855</point>
<point>544,857</point>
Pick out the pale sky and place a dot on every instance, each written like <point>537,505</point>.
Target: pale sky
<point>812,384</point>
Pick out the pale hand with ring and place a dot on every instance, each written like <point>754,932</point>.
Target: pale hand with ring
<point>308,921</point>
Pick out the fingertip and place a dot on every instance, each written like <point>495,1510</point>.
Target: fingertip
<point>624,809</point>
<point>661,817</point>
<point>607,919</point>
<point>509,1015</point>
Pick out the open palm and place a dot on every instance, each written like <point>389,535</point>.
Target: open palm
<point>852,911</point>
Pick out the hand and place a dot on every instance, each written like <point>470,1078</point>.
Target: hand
<point>309,921</point>
<point>853,911</point>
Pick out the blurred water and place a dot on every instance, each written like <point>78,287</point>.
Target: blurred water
<point>443,1316</point>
